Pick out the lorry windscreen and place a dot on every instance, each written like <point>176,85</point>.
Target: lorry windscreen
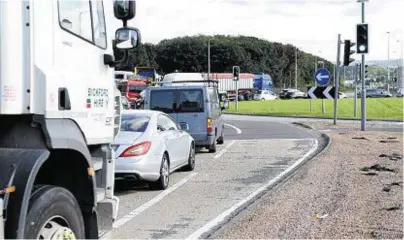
<point>136,88</point>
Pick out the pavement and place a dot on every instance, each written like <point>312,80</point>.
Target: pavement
<point>255,156</point>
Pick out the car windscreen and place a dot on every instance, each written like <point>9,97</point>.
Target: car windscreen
<point>134,123</point>
<point>190,100</point>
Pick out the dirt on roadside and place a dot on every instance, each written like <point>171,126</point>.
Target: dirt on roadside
<point>354,190</point>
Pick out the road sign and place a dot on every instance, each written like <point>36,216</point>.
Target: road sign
<point>322,77</point>
<point>321,92</point>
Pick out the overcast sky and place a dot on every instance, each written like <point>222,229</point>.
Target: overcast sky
<point>311,25</point>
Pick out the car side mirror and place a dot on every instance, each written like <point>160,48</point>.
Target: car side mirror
<point>127,38</point>
<point>184,126</point>
<point>124,9</point>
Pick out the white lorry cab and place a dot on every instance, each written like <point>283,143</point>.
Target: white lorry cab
<point>59,112</point>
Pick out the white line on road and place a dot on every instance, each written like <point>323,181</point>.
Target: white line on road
<point>224,150</point>
<point>222,217</point>
<point>234,127</point>
<point>153,201</point>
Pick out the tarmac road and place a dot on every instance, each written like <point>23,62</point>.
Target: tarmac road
<point>254,156</point>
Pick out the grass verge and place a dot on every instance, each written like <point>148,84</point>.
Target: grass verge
<point>376,108</point>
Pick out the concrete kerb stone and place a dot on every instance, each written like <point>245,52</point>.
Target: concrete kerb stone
<point>324,143</point>
<point>307,117</point>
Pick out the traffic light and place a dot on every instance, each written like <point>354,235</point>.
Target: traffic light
<point>362,40</point>
<point>236,73</point>
<point>348,52</point>
<point>366,71</point>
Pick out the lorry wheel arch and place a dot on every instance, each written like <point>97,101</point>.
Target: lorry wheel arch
<point>33,163</point>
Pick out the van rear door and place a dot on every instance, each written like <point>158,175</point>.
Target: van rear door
<point>191,110</point>
<point>163,100</point>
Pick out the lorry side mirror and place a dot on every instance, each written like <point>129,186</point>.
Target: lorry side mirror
<point>124,9</point>
<point>127,38</point>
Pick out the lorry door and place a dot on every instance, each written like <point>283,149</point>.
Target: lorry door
<point>192,109</point>
<point>80,41</point>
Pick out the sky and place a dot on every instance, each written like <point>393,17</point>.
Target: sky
<point>311,25</point>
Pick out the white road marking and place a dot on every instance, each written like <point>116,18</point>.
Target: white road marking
<point>214,222</point>
<point>234,127</point>
<point>224,150</point>
<point>153,201</point>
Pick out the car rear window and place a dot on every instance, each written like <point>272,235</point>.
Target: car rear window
<point>190,101</point>
<point>162,101</point>
<point>134,123</point>
<point>136,88</point>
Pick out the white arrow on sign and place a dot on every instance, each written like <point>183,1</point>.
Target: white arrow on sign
<point>319,76</point>
<point>311,92</point>
<point>326,92</point>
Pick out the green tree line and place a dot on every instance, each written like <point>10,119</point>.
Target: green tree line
<point>190,54</point>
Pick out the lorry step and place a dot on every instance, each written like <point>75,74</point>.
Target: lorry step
<point>100,194</point>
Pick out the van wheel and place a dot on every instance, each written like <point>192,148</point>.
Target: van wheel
<point>212,148</point>
<point>53,213</point>
<point>220,140</point>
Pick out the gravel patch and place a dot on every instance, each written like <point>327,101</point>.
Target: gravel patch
<point>354,190</point>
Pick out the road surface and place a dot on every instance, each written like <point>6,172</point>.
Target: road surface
<point>254,156</point>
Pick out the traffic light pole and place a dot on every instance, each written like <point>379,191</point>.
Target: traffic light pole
<point>356,90</point>
<point>363,95</point>
<point>336,80</point>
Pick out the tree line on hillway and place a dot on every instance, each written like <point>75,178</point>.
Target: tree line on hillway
<point>190,54</point>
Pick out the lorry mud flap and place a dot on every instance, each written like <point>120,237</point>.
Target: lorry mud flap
<point>18,168</point>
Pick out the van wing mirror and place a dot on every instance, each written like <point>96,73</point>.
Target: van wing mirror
<point>124,9</point>
<point>225,105</point>
<point>127,38</point>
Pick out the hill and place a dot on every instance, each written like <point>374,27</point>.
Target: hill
<point>190,54</point>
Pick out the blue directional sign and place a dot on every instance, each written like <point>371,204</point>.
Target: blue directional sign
<point>322,77</point>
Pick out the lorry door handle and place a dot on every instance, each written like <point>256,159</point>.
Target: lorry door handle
<point>64,99</point>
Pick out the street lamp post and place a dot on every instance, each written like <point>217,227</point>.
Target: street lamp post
<point>388,57</point>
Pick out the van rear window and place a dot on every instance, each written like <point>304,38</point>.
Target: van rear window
<point>190,101</point>
<point>162,101</point>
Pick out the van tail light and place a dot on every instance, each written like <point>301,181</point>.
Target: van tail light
<point>136,150</point>
<point>209,125</point>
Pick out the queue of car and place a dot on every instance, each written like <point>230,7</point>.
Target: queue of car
<point>182,114</point>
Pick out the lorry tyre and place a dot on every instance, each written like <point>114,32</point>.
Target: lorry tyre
<point>53,213</point>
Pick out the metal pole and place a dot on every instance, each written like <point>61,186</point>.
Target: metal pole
<point>209,60</point>
<point>363,95</point>
<point>236,95</point>
<point>388,57</point>
<point>337,79</point>
<point>356,90</point>
<point>296,68</point>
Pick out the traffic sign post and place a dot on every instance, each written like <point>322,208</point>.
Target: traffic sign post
<point>322,77</point>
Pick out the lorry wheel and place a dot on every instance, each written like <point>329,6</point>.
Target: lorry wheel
<point>53,213</point>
